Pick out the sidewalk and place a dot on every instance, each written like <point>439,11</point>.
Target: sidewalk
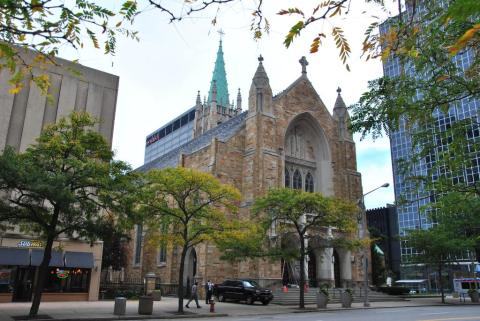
<point>166,309</point>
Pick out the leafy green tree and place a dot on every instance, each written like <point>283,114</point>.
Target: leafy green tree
<point>61,185</point>
<point>306,215</point>
<point>47,25</point>
<point>438,246</point>
<point>191,207</point>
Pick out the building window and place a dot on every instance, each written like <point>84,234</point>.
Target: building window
<point>309,183</point>
<point>297,180</point>
<point>287,178</point>
<point>162,251</point>
<point>138,244</point>
<point>162,254</point>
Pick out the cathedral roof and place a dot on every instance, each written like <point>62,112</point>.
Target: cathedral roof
<point>222,132</point>
<point>220,78</point>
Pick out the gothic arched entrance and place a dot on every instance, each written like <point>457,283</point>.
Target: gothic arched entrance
<point>190,270</point>
<point>312,268</point>
<point>336,269</point>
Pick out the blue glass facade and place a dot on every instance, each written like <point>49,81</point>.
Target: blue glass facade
<point>411,215</point>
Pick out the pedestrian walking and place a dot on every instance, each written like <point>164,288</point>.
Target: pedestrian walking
<point>194,296</point>
<point>208,291</point>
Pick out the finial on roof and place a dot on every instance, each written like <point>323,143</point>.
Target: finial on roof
<point>303,61</point>
<point>199,100</point>
<point>260,58</point>
<point>221,33</point>
<point>339,103</point>
<point>239,99</point>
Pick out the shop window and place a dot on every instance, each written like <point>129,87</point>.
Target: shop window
<point>7,277</point>
<point>72,280</point>
<point>297,180</point>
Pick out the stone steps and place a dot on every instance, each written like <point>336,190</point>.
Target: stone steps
<point>293,295</point>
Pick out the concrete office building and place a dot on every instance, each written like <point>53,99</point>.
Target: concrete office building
<point>75,269</point>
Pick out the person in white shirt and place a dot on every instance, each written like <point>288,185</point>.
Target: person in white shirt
<point>194,296</point>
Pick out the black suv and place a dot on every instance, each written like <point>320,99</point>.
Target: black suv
<point>242,290</point>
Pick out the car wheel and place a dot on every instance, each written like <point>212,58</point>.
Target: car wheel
<point>221,298</point>
<point>265,302</point>
<point>250,300</point>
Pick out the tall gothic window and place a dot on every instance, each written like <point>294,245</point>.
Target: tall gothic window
<point>297,180</point>
<point>309,183</point>
<point>138,244</point>
<point>287,178</point>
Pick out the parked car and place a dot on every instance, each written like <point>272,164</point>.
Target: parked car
<point>242,290</point>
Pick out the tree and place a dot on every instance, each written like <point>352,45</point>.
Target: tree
<point>60,186</point>
<point>190,206</point>
<point>47,25</point>
<point>437,247</point>
<point>306,215</point>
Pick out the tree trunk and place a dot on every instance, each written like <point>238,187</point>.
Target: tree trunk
<point>302,273</point>
<point>441,282</point>
<point>180,279</point>
<point>42,276</point>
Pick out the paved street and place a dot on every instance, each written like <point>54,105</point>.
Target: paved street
<point>418,309</point>
<point>446,313</point>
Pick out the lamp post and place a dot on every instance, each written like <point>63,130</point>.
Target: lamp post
<point>362,221</point>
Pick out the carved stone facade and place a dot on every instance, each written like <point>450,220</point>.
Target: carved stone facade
<point>289,139</point>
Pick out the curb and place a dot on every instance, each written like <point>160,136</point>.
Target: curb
<point>136,317</point>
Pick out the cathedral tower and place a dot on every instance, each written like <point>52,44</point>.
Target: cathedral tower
<point>217,108</point>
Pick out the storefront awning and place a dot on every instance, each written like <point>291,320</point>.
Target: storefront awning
<point>14,256</point>
<point>55,260</point>
<point>79,260</point>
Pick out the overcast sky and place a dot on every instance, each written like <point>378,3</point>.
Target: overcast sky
<point>161,74</point>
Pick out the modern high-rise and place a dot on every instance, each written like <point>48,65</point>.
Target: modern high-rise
<point>411,215</point>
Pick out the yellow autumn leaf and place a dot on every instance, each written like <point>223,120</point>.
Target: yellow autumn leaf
<point>15,90</point>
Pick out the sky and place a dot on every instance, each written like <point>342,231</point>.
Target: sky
<point>161,74</point>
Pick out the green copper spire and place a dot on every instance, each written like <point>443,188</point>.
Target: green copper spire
<point>220,77</point>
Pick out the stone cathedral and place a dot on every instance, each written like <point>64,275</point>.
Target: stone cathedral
<point>285,140</point>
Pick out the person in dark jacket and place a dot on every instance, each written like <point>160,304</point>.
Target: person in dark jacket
<point>208,291</point>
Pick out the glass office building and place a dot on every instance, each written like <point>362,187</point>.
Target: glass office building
<point>411,216</point>
<point>172,135</point>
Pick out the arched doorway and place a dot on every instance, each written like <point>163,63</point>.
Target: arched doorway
<point>336,269</point>
<point>312,268</point>
<point>190,270</point>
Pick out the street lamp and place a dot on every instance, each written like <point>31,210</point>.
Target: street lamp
<point>362,217</point>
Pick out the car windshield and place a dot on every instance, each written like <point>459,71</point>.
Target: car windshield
<point>250,284</point>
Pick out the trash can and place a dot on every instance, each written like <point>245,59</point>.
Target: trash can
<point>145,305</point>
<point>120,306</point>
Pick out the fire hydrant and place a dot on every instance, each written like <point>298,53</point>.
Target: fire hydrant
<point>212,305</point>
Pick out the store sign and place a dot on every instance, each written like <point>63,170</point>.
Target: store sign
<point>62,274</point>
<point>30,243</point>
